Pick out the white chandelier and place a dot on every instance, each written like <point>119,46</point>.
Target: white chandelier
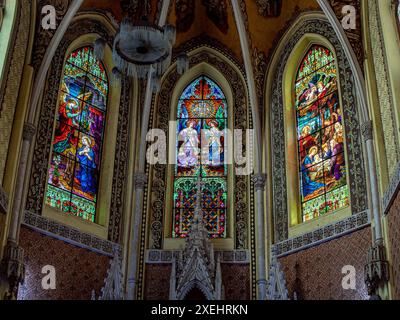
<point>140,47</point>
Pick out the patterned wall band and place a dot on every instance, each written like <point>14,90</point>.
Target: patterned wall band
<point>68,234</point>
<point>321,235</point>
<point>166,256</point>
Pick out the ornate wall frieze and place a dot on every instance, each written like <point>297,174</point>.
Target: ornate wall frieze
<point>322,235</point>
<point>120,164</point>
<point>357,180</point>
<point>68,234</point>
<point>167,256</point>
<point>260,70</point>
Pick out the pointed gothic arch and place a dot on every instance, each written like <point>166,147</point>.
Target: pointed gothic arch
<point>285,206</point>
<point>110,207</point>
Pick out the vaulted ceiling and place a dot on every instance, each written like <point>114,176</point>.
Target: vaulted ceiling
<point>266,19</point>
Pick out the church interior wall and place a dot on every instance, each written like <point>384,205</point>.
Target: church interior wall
<point>313,273</point>
<point>80,271</point>
<point>311,254</point>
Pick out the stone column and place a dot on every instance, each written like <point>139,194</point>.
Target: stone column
<point>13,261</point>
<point>376,271</point>
<point>140,181</point>
<point>367,132</point>
<point>16,212</point>
<point>259,184</point>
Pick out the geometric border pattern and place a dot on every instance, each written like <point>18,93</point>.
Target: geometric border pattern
<point>167,256</point>
<point>321,235</point>
<point>68,234</point>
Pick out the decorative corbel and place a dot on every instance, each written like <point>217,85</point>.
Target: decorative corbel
<point>13,269</point>
<point>376,271</point>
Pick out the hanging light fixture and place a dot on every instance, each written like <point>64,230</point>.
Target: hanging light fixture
<point>142,46</point>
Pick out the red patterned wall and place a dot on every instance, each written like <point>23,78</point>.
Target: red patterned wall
<point>157,281</point>
<point>320,268</point>
<point>236,281</point>
<point>235,278</point>
<point>78,271</point>
<point>393,219</point>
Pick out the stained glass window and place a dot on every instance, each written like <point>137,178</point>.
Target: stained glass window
<point>202,122</point>
<point>77,145</point>
<point>320,134</point>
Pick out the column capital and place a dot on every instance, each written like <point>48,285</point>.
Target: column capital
<point>139,180</point>
<point>367,130</point>
<point>259,180</point>
<point>28,131</point>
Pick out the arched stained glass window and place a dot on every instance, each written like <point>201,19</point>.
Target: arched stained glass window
<point>77,145</point>
<point>202,121</point>
<point>320,134</point>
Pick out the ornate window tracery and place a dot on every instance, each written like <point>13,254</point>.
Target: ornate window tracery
<point>73,175</point>
<point>320,136</point>
<point>202,121</point>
